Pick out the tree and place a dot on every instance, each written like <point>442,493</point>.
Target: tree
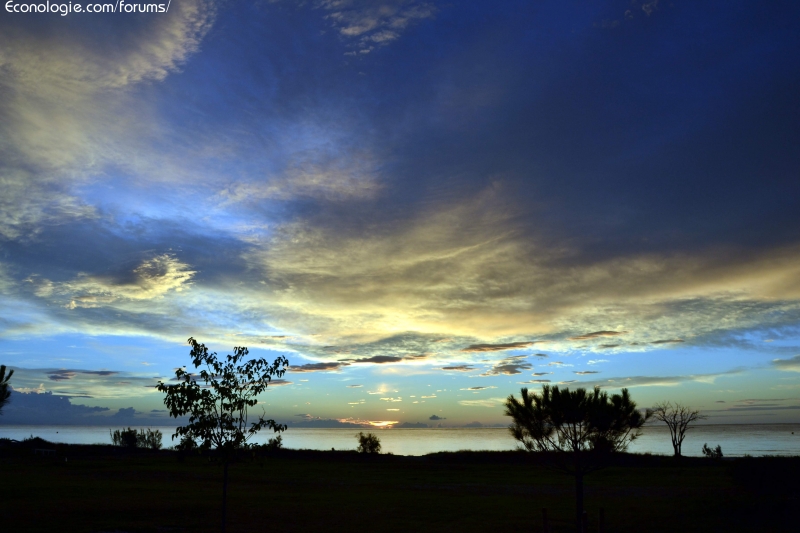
<point>369,443</point>
<point>677,417</point>
<point>217,399</point>
<point>4,392</point>
<point>577,429</point>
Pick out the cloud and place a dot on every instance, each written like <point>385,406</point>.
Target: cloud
<point>48,408</point>
<point>668,341</point>
<point>436,417</point>
<point>354,386</point>
<point>152,279</point>
<point>790,365</point>
<point>318,367</point>
<point>475,424</point>
<point>585,372</point>
<point>67,109</point>
<point>508,366</point>
<point>597,335</point>
<point>479,388</point>
<point>374,22</point>
<point>534,381</point>
<point>490,402</point>
<point>657,381</point>
<point>63,375</point>
<point>458,368</point>
<point>497,347</point>
<point>279,382</point>
<point>126,413</point>
<point>540,373</point>
<point>596,361</point>
<point>379,359</point>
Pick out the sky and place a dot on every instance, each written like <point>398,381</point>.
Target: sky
<point>425,206</point>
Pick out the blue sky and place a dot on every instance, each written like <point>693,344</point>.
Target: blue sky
<point>424,205</point>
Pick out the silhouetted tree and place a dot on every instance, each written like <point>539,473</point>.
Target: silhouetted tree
<point>577,429</point>
<point>4,392</point>
<point>369,443</point>
<point>217,400</point>
<point>677,417</point>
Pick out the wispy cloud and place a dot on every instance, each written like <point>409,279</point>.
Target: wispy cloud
<point>791,365</point>
<point>374,23</point>
<point>489,402</point>
<point>497,347</point>
<point>597,335</point>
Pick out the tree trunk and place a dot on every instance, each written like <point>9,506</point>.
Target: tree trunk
<point>579,501</point>
<point>224,494</point>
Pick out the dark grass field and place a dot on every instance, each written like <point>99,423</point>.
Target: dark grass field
<point>101,488</point>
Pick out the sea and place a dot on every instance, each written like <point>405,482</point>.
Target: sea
<point>736,440</point>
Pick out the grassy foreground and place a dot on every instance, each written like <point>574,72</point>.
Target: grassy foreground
<point>101,488</point>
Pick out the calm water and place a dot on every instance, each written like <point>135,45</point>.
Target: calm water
<point>736,440</point>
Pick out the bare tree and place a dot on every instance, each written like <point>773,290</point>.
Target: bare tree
<point>677,417</point>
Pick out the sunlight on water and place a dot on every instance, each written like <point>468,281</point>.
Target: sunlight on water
<point>736,440</point>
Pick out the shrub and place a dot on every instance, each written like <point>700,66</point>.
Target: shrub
<point>715,453</point>
<point>149,439</point>
<point>275,444</point>
<point>127,438</point>
<point>369,443</point>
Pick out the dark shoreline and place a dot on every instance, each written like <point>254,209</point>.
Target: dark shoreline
<point>94,488</point>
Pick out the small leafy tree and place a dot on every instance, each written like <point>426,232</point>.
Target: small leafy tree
<point>217,400</point>
<point>577,429</point>
<point>369,443</point>
<point>712,453</point>
<point>4,392</point>
<point>677,417</point>
<point>129,438</point>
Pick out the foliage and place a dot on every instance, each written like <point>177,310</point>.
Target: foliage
<point>150,439</point>
<point>129,438</point>
<point>4,392</point>
<point>217,398</point>
<point>369,443</point>
<point>275,443</point>
<point>578,429</point>
<point>677,417</point>
<point>574,421</point>
<point>712,453</point>
<point>126,438</point>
